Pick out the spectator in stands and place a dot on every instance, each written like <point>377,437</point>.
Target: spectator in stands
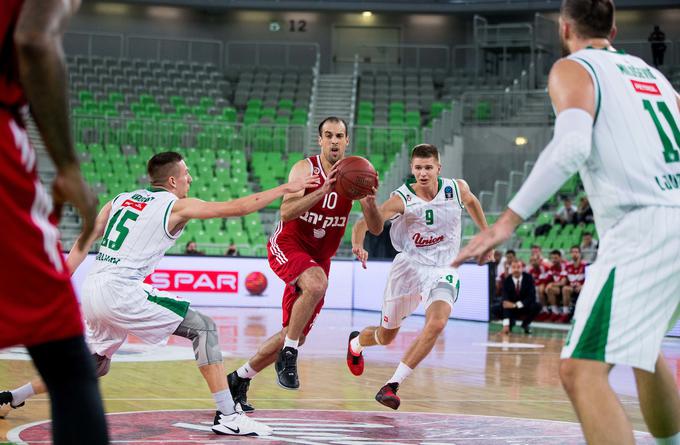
<point>657,38</point>
<point>576,276</point>
<point>588,247</point>
<point>519,299</point>
<point>556,279</point>
<point>232,250</point>
<point>192,249</point>
<point>567,213</point>
<point>538,271</point>
<point>584,214</point>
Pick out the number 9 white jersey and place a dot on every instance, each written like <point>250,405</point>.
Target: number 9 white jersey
<point>429,231</point>
<point>635,159</point>
<point>136,235</point>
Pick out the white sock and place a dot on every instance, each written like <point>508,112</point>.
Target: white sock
<point>400,374</point>
<point>355,346</point>
<point>22,393</point>
<point>246,371</point>
<point>555,309</point>
<point>565,309</point>
<point>288,343</point>
<point>224,402</point>
<point>673,440</point>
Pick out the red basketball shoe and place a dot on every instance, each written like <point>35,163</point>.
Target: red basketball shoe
<point>355,363</point>
<point>388,396</point>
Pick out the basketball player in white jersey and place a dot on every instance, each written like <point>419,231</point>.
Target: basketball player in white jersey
<point>426,227</point>
<point>617,126</point>
<point>137,229</point>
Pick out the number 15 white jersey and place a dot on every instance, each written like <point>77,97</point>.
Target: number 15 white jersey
<point>136,235</point>
<point>635,158</point>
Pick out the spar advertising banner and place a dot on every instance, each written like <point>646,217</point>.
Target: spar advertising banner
<point>473,298</point>
<point>249,282</point>
<point>229,281</point>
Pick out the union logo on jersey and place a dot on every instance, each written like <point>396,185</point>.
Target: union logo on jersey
<point>426,242</point>
<point>316,170</point>
<point>319,233</point>
<point>448,192</point>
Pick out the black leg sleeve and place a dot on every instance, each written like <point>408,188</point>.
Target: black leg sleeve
<point>67,368</point>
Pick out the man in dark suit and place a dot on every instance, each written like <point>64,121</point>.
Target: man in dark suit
<point>519,299</point>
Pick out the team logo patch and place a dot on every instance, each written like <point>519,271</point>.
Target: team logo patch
<point>316,170</point>
<point>448,192</point>
<point>319,233</point>
<point>326,427</point>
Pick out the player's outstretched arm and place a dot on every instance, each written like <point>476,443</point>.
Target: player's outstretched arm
<point>297,203</point>
<point>371,212</point>
<point>42,72</point>
<point>192,208</point>
<point>84,242</point>
<point>387,210</point>
<point>474,209</point>
<point>573,95</point>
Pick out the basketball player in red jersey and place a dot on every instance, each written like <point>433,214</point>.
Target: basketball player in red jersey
<point>39,307</point>
<point>300,250</point>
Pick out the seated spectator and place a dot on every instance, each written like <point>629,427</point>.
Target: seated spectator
<point>584,214</point>
<point>519,299</point>
<point>192,249</point>
<point>566,214</point>
<point>556,279</point>
<point>538,271</point>
<point>588,247</point>
<point>576,276</point>
<point>232,250</point>
<point>503,269</point>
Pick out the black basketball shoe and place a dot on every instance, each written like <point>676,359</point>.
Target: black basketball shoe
<point>239,391</point>
<point>286,368</point>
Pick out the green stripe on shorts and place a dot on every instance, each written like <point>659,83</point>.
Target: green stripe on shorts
<point>178,307</point>
<point>593,340</point>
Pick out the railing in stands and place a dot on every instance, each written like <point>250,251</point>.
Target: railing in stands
<point>288,54</point>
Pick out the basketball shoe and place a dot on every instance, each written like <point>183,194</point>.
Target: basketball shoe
<point>286,368</point>
<point>355,363</point>
<point>239,391</point>
<point>6,399</point>
<point>388,396</point>
<point>238,424</point>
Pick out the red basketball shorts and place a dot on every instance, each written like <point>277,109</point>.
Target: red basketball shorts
<point>36,296</point>
<point>289,261</point>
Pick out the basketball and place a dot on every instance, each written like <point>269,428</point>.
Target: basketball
<point>256,283</point>
<point>355,177</point>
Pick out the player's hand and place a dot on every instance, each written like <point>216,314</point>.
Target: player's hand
<point>369,200</point>
<point>69,186</point>
<point>329,184</point>
<point>301,184</point>
<point>361,254</point>
<point>481,246</point>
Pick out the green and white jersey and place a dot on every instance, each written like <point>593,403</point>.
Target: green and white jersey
<point>429,232</point>
<point>136,235</point>
<point>635,158</point>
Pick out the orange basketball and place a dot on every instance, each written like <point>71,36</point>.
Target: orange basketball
<point>256,283</point>
<point>355,177</point>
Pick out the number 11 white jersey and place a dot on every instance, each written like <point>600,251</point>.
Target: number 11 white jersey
<point>635,158</point>
<point>136,235</point>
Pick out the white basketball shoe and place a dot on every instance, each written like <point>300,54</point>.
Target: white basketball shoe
<point>238,424</point>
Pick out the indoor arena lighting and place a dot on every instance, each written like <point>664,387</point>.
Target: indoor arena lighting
<point>521,141</point>
<point>367,14</point>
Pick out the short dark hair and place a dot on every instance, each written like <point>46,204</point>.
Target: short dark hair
<point>160,166</point>
<point>425,151</point>
<point>576,247</point>
<point>334,119</point>
<point>555,252</point>
<point>510,251</point>
<point>536,246</point>
<point>593,18</point>
<point>586,233</point>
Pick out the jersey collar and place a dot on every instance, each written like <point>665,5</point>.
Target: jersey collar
<point>156,189</point>
<point>413,181</point>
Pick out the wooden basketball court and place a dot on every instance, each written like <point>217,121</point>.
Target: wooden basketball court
<point>483,390</point>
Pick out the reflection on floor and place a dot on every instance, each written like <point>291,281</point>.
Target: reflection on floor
<point>471,372</point>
